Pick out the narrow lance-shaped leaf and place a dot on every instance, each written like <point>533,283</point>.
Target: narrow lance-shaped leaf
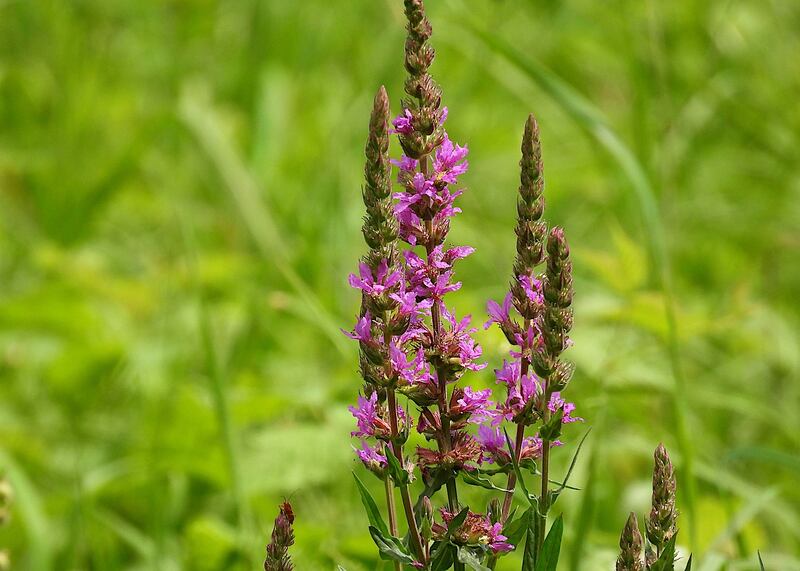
<point>391,548</point>
<point>373,513</point>
<point>551,548</point>
<point>470,559</point>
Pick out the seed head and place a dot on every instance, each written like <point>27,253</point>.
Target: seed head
<point>661,525</point>
<point>556,320</point>
<point>380,225</point>
<point>630,546</point>
<point>530,230</point>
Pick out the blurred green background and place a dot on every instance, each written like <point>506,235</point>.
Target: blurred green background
<point>180,206</point>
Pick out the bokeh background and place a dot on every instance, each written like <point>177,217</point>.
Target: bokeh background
<point>180,207</point>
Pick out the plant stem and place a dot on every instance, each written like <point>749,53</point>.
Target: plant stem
<point>408,508</point>
<point>390,505</point>
<point>544,499</point>
<point>520,437</point>
<point>445,443</point>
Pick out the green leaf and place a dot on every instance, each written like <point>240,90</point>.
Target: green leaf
<point>760,561</point>
<point>666,562</point>
<point>481,482</point>
<point>517,471</point>
<point>529,555</point>
<point>373,513</point>
<point>442,556</point>
<point>689,564</point>
<point>515,530</point>
<point>340,568</point>
<point>470,559</point>
<point>563,485</point>
<point>391,548</point>
<point>551,548</point>
<point>396,471</point>
<point>456,522</point>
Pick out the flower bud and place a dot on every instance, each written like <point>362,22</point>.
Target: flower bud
<point>661,525</point>
<point>630,545</point>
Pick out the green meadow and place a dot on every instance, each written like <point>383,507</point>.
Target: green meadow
<point>180,206</point>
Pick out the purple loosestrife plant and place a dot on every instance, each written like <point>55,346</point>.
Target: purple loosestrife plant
<point>413,345</point>
<point>415,353</point>
<point>660,525</point>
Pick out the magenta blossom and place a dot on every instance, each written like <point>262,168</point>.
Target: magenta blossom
<point>476,404</point>
<point>374,284</point>
<point>496,541</point>
<point>532,288</point>
<point>449,161</point>
<point>370,422</point>
<point>373,460</point>
<point>403,123</point>
<point>405,164</point>
<point>412,371</point>
<point>556,403</point>
<point>363,329</point>
<point>499,314</point>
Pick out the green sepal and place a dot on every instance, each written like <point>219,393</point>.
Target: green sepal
<point>391,548</point>
<point>470,559</point>
<point>373,513</point>
<point>456,522</point>
<point>689,565</point>
<point>761,561</point>
<point>551,548</point>
<point>551,429</point>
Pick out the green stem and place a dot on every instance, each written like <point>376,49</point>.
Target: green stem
<point>390,506</point>
<point>445,442</point>
<point>408,508</point>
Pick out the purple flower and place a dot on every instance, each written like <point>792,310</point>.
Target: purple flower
<point>556,403</point>
<point>366,414</point>
<point>476,404</point>
<point>448,162</point>
<point>410,225</point>
<point>521,389</point>
<point>528,340</point>
<point>533,289</point>
<point>497,541</point>
<point>508,374</point>
<point>372,459</point>
<point>458,341</point>
<point>405,164</point>
<point>363,329</point>
<point>403,123</point>
<point>413,371</point>
<point>408,304</point>
<point>374,284</point>
<point>469,351</point>
<point>499,314</point>
<point>493,444</point>
<point>437,289</point>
